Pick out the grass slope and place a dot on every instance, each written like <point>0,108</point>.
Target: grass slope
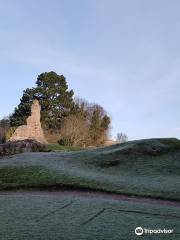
<point>145,167</point>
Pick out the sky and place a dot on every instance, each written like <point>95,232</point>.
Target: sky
<point>123,55</point>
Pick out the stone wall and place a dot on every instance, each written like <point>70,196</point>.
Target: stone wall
<point>10,148</point>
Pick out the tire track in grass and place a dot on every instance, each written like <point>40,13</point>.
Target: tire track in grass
<point>128,211</point>
<point>94,216</point>
<point>144,213</point>
<point>54,211</point>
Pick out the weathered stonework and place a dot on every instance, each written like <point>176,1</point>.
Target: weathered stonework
<point>33,129</point>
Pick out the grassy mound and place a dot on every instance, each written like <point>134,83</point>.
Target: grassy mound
<point>146,168</point>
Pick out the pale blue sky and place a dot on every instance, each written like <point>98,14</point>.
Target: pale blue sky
<point>124,55</point>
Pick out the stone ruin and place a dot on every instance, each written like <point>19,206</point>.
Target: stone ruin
<point>33,129</point>
<point>28,145</point>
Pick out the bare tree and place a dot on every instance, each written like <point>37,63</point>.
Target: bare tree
<point>122,137</point>
<point>74,131</point>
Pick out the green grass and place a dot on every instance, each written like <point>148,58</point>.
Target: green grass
<point>48,217</point>
<point>60,148</point>
<point>148,168</point>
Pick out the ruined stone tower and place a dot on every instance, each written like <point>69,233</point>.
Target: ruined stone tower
<point>33,129</point>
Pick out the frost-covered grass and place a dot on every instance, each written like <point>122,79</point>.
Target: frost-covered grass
<point>142,168</point>
<point>45,217</point>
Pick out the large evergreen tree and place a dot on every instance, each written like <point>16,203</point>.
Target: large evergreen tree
<point>52,92</point>
<point>23,110</point>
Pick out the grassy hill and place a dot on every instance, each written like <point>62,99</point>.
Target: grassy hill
<point>148,167</point>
